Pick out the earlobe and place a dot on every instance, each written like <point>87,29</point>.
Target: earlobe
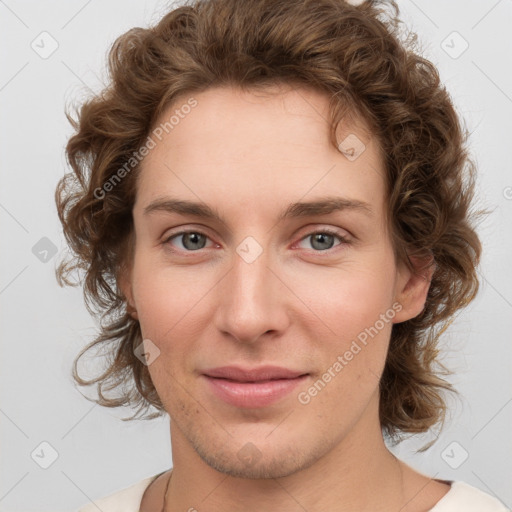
<point>412,287</point>
<point>132,311</point>
<point>126,289</point>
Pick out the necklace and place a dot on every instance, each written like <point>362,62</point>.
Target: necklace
<point>164,507</point>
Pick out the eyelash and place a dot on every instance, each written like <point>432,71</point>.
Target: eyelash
<point>326,231</point>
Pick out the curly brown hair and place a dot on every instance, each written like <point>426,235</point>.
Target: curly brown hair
<point>359,57</point>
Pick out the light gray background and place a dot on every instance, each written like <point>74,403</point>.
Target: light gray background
<point>44,326</point>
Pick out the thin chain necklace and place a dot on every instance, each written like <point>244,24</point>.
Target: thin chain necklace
<point>164,507</point>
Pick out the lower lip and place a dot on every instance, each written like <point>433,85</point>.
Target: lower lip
<point>253,394</point>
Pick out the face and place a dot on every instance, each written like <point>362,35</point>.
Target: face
<point>307,289</point>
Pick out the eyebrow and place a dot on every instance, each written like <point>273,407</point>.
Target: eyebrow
<point>322,206</point>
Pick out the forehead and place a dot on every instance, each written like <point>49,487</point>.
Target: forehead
<point>250,148</point>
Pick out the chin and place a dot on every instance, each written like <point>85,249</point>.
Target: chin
<point>261,466</point>
<point>255,456</point>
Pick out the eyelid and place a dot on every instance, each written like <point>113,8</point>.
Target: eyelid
<point>344,239</point>
<point>169,236</point>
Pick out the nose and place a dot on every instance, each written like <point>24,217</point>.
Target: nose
<point>252,300</point>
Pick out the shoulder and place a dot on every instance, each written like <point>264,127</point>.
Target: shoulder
<point>463,496</point>
<point>127,499</point>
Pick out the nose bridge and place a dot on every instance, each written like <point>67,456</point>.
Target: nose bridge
<point>248,302</point>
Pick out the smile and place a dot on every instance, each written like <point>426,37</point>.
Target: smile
<point>252,394</point>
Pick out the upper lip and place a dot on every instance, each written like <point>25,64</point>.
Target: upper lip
<point>253,374</point>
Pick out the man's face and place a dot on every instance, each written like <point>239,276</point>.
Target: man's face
<point>303,292</point>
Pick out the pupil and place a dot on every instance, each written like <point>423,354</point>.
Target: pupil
<point>321,237</point>
<point>194,238</point>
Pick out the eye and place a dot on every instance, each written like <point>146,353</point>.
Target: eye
<point>324,240</point>
<point>190,240</point>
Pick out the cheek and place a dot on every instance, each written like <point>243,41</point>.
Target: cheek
<point>175,310</point>
<point>168,301</point>
<point>166,297</point>
<point>350,360</point>
<point>349,299</point>
<point>355,310</point>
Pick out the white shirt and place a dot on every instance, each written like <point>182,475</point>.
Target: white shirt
<point>462,497</point>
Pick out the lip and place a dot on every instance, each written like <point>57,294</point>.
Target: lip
<point>252,388</point>
<point>252,374</point>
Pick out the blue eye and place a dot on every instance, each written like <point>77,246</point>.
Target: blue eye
<point>191,240</point>
<point>196,240</point>
<point>324,240</point>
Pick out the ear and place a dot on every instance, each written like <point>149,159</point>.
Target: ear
<point>412,287</point>
<point>125,285</point>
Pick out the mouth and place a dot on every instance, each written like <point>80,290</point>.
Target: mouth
<point>252,388</point>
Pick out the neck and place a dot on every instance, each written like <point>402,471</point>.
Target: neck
<point>358,473</point>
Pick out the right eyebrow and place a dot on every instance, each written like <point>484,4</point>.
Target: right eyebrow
<point>183,207</point>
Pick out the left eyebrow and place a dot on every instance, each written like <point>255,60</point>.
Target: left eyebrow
<point>322,206</point>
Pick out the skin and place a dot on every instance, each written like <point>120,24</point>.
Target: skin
<point>249,155</point>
